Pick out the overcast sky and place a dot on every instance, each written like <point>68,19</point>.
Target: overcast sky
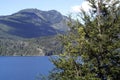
<point>8,7</point>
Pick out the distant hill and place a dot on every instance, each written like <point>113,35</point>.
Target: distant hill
<point>32,23</point>
<point>31,32</point>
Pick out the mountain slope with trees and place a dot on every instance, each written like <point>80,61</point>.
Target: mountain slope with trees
<point>32,23</point>
<point>31,32</point>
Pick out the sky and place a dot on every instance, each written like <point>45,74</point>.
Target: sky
<point>8,7</point>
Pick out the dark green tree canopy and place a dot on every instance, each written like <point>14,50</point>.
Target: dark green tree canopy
<point>91,49</point>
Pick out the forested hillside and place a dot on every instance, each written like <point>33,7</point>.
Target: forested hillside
<point>29,47</point>
<point>31,32</point>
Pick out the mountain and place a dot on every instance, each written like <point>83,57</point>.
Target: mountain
<point>32,23</point>
<point>31,32</point>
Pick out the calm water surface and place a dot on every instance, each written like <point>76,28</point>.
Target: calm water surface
<point>23,68</point>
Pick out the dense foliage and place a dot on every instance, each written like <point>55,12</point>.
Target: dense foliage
<point>28,47</point>
<point>91,50</point>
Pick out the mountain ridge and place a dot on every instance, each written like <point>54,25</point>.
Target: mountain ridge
<point>32,23</point>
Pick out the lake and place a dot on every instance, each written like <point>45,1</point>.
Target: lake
<point>24,68</point>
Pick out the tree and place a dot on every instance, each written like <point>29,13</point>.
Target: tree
<point>91,49</point>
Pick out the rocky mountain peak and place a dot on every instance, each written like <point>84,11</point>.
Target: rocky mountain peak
<point>30,23</point>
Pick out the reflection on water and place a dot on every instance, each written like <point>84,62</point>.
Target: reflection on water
<point>23,68</point>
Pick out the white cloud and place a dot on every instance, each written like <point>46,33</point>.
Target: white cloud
<point>85,6</point>
<point>76,8</point>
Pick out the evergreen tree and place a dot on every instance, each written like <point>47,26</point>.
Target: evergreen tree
<point>91,49</point>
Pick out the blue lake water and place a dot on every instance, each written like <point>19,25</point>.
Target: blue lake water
<point>23,68</point>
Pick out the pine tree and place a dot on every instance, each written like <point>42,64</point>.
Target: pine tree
<point>91,49</point>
